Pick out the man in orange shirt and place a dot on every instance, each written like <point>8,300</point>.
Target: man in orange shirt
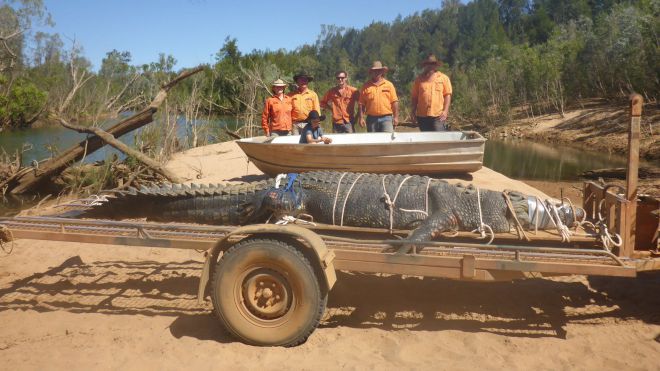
<point>303,101</point>
<point>341,99</point>
<point>431,97</point>
<point>379,102</point>
<point>276,117</point>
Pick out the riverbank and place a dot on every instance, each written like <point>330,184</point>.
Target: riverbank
<point>595,125</point>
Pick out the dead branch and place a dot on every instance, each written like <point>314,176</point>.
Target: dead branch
<point>111,140</point>
<point>29,178</point>
<point>113,100</point>
<point>78,80</point>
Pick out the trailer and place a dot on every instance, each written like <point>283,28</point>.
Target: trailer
<point>269,283</point>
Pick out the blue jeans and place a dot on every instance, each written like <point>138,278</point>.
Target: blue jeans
<point>431,123</point>
<point>279,133</point>
<point>343,127</point>
<point>380,124</point>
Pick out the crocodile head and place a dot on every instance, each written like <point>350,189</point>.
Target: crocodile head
<point>279,202</point>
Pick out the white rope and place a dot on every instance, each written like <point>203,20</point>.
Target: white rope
<point>292,219</point>
<point>93,200</point>
<point>343,208</point>
<point>536,215</point>
<point>278,179</point>
<point>605,235</point>
<point>563,230</point>
<point>391,202</point>
<point>482,225</point>
<point>426,202</point>
<point>334,204</point>
<point>428,183</point>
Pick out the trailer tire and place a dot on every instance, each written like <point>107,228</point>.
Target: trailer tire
<point>265,292</point>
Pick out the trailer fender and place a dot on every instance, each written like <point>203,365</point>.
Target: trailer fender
<point>322,257</point>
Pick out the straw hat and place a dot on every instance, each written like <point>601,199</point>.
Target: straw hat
<point>378,65</point>
<point>279,82</point>
<point>431,59</point>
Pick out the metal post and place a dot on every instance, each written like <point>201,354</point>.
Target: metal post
<point>636,102</point>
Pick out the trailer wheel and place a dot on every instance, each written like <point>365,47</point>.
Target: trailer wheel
<point>265,292</point>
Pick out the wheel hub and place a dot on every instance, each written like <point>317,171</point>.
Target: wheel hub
<point>266,294</point>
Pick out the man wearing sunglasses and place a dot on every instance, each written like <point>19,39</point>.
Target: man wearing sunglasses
<point>341,99</point>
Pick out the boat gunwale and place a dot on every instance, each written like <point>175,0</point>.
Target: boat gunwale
<point>480,139</point>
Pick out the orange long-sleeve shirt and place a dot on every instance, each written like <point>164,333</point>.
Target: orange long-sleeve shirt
<point>303,103</point>
<point>377,98</point>
<point>276,114</point>
<point>430,94</point>
<point>342,102</point>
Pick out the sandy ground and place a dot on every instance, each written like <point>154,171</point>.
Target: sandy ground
<point>83,306</point>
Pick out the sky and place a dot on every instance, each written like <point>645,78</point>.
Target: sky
<point>194,30</point>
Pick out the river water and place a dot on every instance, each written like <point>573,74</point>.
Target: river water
<point>518,159</point>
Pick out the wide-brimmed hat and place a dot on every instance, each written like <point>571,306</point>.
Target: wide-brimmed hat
<point>378,65</point>
<point>431,59</point>
<point>303,74</point>
<point>314,115</point>
<point>279,82</point>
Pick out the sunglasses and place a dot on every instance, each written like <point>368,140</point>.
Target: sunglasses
<point>340,77</point>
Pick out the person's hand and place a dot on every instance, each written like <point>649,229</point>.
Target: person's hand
<point>327,140</point>
<point>363,123</point>
<point>267,134</point>
<point>413,118</point>
<point>395,121</point>
<point>443,116</point>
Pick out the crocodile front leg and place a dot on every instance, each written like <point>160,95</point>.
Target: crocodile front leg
<point>436,223</point>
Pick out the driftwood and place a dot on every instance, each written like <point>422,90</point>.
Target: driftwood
<point>233,134</point>
<point>620,173</point>
<point>109,139</point>
<point>29,178</point>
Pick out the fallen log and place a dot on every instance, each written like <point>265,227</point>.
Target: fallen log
<point>111,140</point>
<point>620,173</point>
<point>30,178</point>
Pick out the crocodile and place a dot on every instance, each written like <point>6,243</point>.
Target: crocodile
<point>425,206</point>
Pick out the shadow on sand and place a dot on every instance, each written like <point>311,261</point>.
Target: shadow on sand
<point>531,308</point>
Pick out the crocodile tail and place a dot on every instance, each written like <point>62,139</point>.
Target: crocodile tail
<point>208,204</point>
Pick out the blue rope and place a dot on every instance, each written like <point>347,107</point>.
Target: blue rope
<point>292,178</point>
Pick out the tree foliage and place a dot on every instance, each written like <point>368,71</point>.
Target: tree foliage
<point>502,55</point>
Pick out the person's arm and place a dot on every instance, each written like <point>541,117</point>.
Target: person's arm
<point>310,138</point>
<point>264,119</point>
<point>317,105</point>
<point>324,103</point>
<point>446,98</point>
<point>363,115</point>
<point>413,102</point>
<point>351,107</point>
<point>445,110</point>
<point>362,110</point>
<point>394,101</point>
<point>395,113</point>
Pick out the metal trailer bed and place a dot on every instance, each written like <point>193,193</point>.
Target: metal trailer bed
<point>297,264</point>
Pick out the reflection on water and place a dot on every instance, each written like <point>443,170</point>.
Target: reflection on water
<point>521,159</point>
<point>45,141</point>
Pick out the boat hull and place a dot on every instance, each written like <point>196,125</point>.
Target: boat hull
<point>409,153</point>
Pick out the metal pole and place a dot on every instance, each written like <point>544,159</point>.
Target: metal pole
<point>636,102</point>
